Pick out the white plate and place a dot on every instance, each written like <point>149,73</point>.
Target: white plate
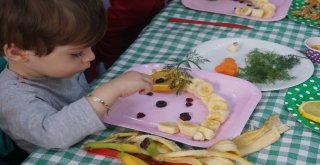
<point>216,51</point>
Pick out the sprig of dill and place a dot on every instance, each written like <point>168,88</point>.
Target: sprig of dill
<point>192,57</point>
<point>180,75</point>
<point>267,67</point>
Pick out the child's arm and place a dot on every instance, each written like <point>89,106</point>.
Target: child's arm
<point>122,86</point>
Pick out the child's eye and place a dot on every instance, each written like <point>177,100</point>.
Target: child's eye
<point>78,54</point>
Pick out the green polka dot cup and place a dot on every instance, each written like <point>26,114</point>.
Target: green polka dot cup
<point>295,96</point>
<point>312,53</point>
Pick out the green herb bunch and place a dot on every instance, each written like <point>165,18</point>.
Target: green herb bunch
<point>180,75</point>
<point>267,67</point>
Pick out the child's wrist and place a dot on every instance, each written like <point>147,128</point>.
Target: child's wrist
<point>98,104</point>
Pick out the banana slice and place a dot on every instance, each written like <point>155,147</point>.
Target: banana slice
<point>257,13</point>
<point>198,136</point>
<point>205,99</point>
<point>269,6</point>
<point>216,97</point>
<point>211,124</point>
<point>259,4</point>
<point>238,10</point>
<point>217,104</point>
<point>187,128</point>
<point>191,88</point>
<point>268,13</point>
<point>219,115</point>
<point>208,133</point>
<point>245,11</point>
<point>204,89</point>
<point>166,127</point>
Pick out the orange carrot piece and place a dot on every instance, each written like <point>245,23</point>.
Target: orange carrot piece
<point>228,66</point>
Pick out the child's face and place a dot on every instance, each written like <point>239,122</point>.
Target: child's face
<point>62,62</point>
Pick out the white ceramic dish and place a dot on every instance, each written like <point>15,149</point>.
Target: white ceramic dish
<point>216,51</point>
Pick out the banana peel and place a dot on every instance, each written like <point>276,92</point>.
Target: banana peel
<point>122,147</point>
<point>189,160</point>
<point>222,152</point>
<point>225,145</point>
<point>169,145</point>
<point>128,159</point>
<point>152,149</point>
<point>216,160</point>
<point>255,140</point>
<point>202,154</point>
<point>120,137</point>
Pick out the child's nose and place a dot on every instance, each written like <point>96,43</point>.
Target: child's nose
<point>89,56</point>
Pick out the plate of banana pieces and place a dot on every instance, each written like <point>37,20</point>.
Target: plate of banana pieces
<point>212,107</point>
<point>260,10</point>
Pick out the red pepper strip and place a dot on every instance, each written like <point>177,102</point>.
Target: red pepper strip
<point>104,152</point>
<point>231,25</point>
<point>114,154</point>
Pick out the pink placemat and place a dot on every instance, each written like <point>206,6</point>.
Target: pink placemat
<point>242,97</point>
<point>227,7</point>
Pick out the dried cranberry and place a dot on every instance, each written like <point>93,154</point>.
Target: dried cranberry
<point>161,103</point>
<point>189,100</point>
<point>149,93</point>
<point>160,80</point>
<point>140,115</point>
<point>185,116</point>
<point>188,104</point>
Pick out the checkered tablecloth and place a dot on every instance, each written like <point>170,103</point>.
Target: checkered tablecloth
<point>161,42</point>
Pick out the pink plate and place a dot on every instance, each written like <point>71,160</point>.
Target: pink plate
<point>227,7</point>
<point>241,95</point>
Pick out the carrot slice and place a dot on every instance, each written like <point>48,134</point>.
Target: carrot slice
<point>228,66</point>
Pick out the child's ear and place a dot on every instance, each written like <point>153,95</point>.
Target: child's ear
<point>16,54</point>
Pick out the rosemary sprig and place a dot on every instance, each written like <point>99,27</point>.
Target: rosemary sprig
<point>180,76</point>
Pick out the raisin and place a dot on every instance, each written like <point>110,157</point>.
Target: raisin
<point>161,103</point>
<point>160,80</point>
<point>189,100</point>
<point>140,115</point>
<point>149,93</point>
<point>185,116</point>
<point>188,104</point>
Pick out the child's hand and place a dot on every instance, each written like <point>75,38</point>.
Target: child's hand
<point>131,82</point>
<point>124,85</point>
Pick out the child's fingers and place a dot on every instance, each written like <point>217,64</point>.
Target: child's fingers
<point>147,87</point>
<point>146,78</point>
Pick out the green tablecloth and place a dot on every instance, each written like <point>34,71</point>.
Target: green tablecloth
<point>162,41</point>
